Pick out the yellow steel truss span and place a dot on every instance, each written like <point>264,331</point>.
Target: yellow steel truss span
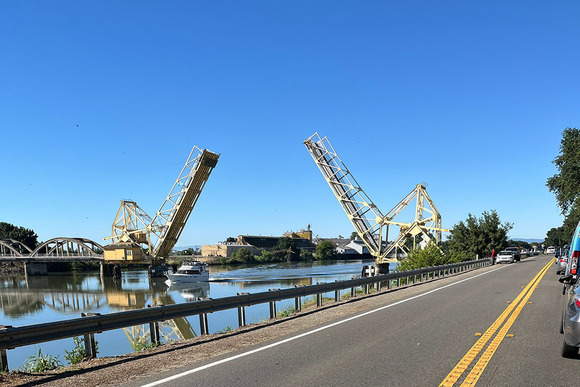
<point>368,221</point>
<point>161,232</point>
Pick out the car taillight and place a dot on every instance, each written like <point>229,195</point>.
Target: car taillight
<point>574,265</point>
<point>577,302</point>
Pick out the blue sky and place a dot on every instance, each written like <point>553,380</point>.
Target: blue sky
<point>470,97</point>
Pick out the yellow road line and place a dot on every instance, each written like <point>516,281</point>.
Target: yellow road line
<point>470,356</point>
<point>478,368</point>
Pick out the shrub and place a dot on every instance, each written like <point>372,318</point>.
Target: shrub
<point>41,363</point>
<point>428,257</point>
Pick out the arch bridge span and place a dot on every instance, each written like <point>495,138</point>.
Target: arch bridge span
<point>55,249</point>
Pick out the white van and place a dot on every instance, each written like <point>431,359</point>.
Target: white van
<point>551,250</point>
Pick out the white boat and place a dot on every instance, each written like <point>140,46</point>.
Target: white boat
<point>188,272</point>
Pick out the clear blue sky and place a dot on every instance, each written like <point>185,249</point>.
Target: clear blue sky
<point>470,97</point>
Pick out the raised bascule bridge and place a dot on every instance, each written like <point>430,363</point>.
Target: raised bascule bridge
<point>136,237</point>
<point>371,225</point>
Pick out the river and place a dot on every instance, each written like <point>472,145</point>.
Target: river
<point>34,300</point>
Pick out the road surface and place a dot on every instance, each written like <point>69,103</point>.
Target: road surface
<point>422,339</point>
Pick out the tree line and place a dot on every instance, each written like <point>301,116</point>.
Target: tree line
<point>565,186</point>
<point>284,250</point>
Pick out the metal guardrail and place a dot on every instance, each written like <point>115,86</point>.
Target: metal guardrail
<point>13,337</point>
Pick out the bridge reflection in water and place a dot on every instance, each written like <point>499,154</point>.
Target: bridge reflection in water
<point>22,296</point>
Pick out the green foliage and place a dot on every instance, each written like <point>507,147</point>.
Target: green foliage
<point>21,234</point>
<point>325,250</point>
<point>264,257</point>
<point>287,311</point>
<point>243,255</point>
<point>41,363</point>
<point>564,184</point>
<point>226,329</point>
<point>285,250</point>
<point>557,237</point>
<point>428,257</point>
<point>306,255</point>
<point>353,235</point>
<point>78,353</point>
<point>477,236</point>
<point>141,344</point>
<point>231,239</point>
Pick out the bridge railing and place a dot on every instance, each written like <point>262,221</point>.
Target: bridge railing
<point>13,337</point>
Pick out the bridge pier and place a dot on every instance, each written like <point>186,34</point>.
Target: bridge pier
<point>112,270</point>
<point>35,268</point>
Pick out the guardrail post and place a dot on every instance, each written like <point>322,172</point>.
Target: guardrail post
<point>367,289</point>
<point>89,338</point>
<point>203,325</point>
<point>242,312</point>
<point>353,291</point>
<point>3,358</point>
<point>154,331</point>
<point>3,361</point>
<point>379,286</point>
<point>273,305</point>
<point>399,282</point>
<point>337,293</point>
<point>319,296</point>
<point>298,301</point>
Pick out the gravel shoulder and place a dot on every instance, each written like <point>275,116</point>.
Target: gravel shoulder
<point>117,370</point>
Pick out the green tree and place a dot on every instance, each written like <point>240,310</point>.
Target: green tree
<point>243,255</point>
<point>564,184</point>
<point>557,237</point>
<point>21,234</point>
<point>478,236</point>
<point>325,250</point>
<point>231,239</point>
<point>353,235</point>
<point>266,256</point>
<point>285,250</point>
<point>306,255</point>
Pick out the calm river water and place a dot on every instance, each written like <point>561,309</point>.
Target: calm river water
<point>33,300</point>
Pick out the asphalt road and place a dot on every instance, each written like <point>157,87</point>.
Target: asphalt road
<point>416,341</point>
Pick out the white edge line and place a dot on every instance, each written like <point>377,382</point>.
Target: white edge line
<point>226,360</point>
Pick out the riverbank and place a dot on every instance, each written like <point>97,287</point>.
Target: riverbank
<point>11,268</point>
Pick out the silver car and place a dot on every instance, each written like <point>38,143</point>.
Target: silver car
<point>505,256</point>
<point>561,264</point>
<point>571,316</point>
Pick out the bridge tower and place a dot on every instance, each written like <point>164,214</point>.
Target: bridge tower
<point>368,221</point>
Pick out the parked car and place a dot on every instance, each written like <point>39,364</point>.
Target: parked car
<point>505,256</point>
<point>516,251</point>
<point>571,314</point>
<point>551,250</point>
<point>561,264</point>
<point>570,322</point>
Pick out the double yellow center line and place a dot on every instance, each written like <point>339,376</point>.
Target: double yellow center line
<point>510,314</point>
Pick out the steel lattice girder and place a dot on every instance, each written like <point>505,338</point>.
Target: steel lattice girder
<point>365,216</point>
